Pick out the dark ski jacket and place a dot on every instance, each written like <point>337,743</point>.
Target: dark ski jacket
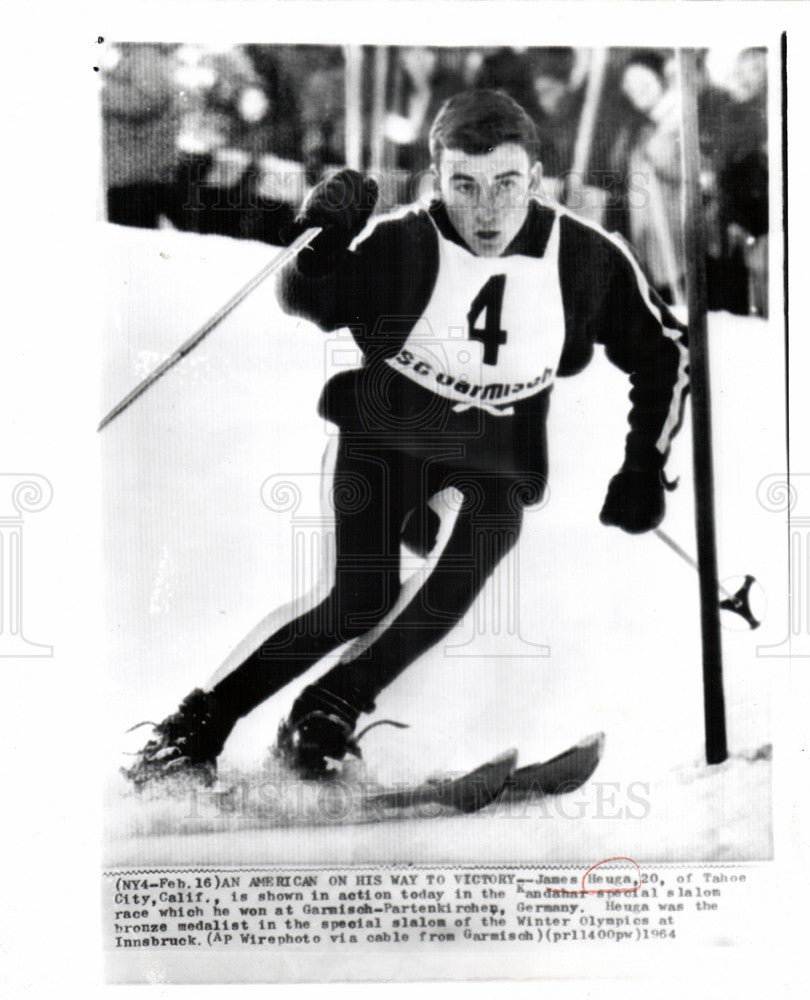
<point>380,287</point>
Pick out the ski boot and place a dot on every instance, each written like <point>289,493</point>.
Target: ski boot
<point>185,745</point>
<point>318,734</point>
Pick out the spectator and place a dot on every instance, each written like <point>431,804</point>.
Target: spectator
<point>140,106</point>
<point>223,101</point>
<point>423,79</point>
<point>558,100</point>
<point>733,122</point>
<point>323,112</point>
<point>279,129</point>
<point>655,226</point>
<point>743,174</point>
<point>634,83</point>
<point>273,183</point>
<point>543,82</point>
<point>510,70</point>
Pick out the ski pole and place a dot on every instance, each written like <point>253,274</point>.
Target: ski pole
<point>738,603</point>
<point>188,345</point>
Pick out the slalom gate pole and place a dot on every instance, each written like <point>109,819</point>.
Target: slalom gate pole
<point>353,97</point>
<point>377,162</point>
<point>188,345</point>
<point>695,245</point>
<point>587,119</point>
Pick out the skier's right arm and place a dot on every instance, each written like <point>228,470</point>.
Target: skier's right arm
<point>326,283</point>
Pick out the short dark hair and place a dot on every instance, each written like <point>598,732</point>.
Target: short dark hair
<point>476,121</point>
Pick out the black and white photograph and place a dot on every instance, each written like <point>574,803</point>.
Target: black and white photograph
<point>417,485</point>
<point>448,526</point>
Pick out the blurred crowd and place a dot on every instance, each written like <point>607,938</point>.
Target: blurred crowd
<point>228,140</point>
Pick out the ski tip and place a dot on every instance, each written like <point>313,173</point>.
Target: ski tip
<point>564,773</point>
<point>508,757</point>
<point>595,741</point>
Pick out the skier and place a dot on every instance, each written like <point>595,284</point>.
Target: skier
<point>465,311</point>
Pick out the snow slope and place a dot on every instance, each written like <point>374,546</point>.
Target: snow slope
<point>608,629</point>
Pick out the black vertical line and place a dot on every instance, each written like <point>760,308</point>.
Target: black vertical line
<point>785,240</point>
<point>786,294</point>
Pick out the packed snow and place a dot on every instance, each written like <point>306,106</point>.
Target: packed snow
<point>605,634</point>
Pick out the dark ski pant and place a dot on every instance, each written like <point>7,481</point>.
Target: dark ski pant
<point>373,492</point>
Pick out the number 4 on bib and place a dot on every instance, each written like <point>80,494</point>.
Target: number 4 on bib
<point>490,298</point>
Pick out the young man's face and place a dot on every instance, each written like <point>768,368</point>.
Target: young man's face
<point>487,194</point>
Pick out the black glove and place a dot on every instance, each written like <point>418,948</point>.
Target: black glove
<point>341,205</point>
<point>635,500</point>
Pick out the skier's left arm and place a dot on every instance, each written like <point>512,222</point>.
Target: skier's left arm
<point>643,339</point>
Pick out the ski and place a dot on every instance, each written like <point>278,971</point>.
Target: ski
<point>564,773</point>
<point>470,792</point>
<point>498,779</point>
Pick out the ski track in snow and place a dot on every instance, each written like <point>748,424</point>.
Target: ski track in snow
<point>185,526</point>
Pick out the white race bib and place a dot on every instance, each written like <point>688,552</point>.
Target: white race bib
<point>493,330</point>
